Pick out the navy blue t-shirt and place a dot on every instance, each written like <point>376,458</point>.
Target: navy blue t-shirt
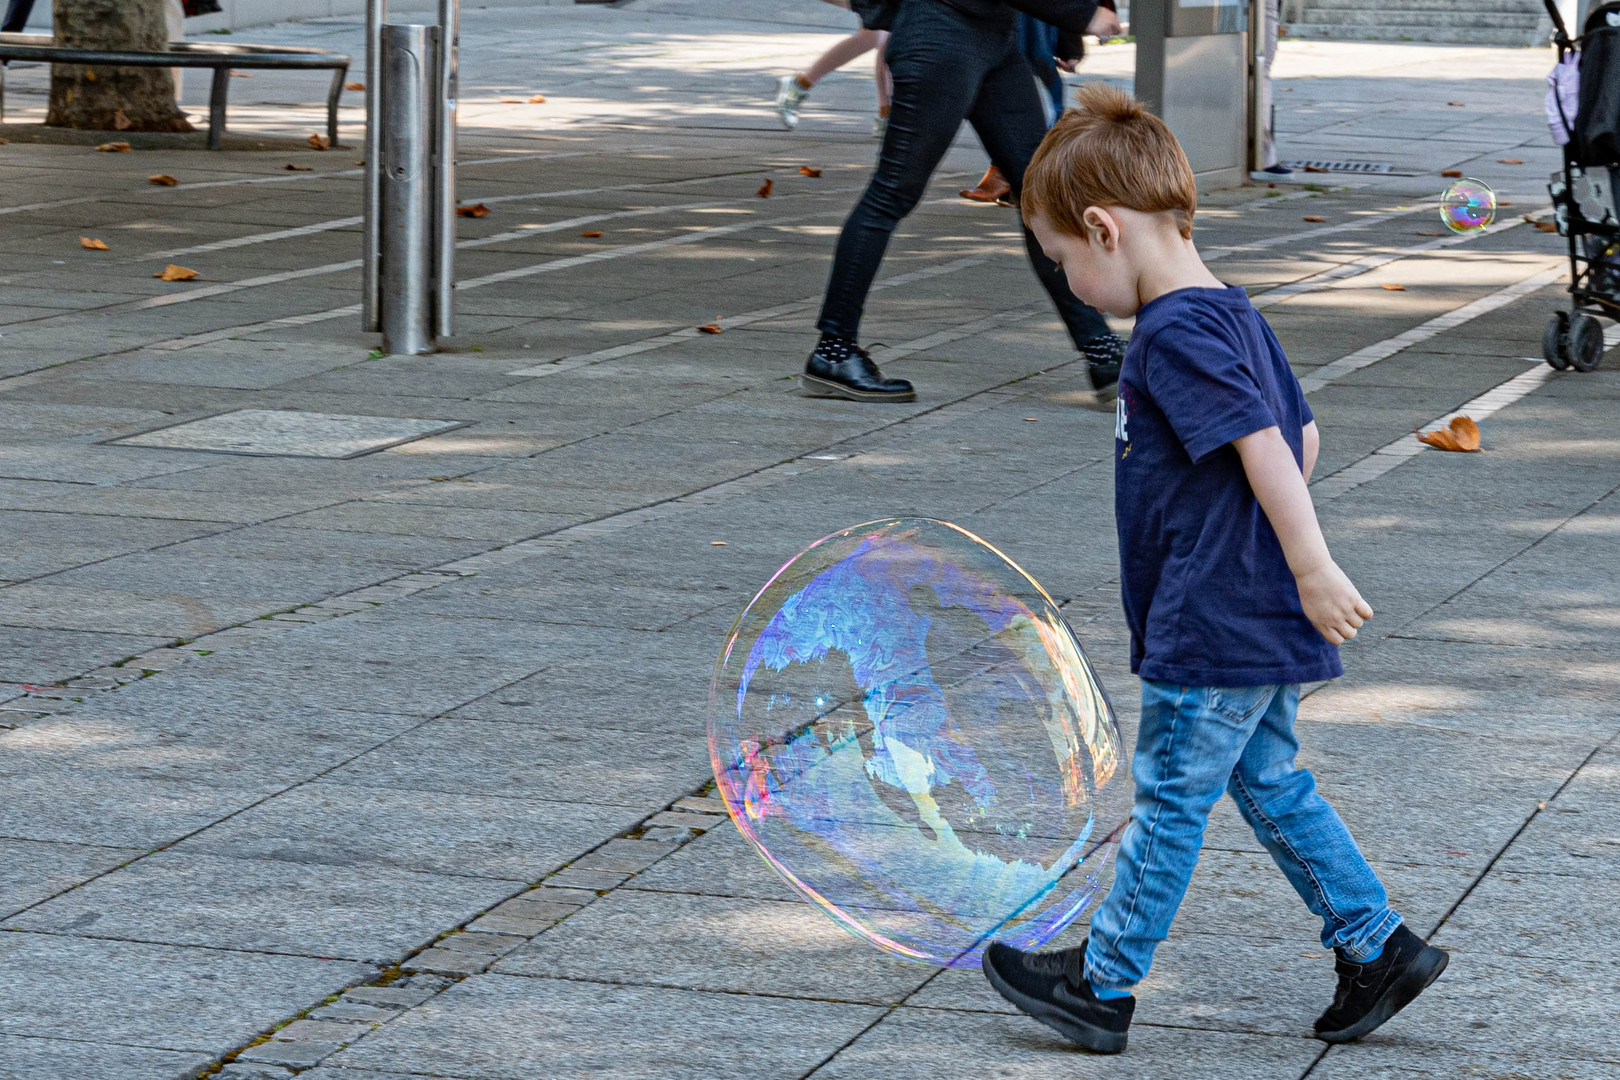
<point>1208,595</point>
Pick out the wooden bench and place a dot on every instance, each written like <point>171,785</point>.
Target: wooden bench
<point>220,56</point>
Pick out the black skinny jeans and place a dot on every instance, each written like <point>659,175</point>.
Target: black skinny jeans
<point>946,69</point>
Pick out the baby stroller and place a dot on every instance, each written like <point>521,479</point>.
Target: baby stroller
<point>1584,193</point>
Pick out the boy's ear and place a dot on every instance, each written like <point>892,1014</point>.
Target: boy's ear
<point>1102,228</point>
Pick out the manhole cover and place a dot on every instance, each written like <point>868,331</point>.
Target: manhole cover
<point>1340,166</point>
<point>286,433</point>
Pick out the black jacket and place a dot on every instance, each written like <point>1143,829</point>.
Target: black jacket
<point>1071,16</point>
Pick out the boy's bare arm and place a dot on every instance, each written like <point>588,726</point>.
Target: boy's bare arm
<point>1313,446</point>
<point>1330,601</point>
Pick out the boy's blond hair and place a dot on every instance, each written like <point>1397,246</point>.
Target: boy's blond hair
<point>1109,151</point>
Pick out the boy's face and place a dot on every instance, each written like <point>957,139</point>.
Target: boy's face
<point>1097,270</point>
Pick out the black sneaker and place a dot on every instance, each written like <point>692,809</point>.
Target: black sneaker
<point>1052,988</point>
<point>1370,994</point>
<point>839,368</point>
<point>1104,354</point>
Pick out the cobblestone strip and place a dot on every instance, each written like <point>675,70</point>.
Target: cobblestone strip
<point>471,947</point>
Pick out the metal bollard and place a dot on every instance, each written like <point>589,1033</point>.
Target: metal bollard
<point>408,267</point>
<point>406,231</point>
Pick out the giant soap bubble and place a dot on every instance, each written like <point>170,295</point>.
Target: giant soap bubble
<point>904,727</point>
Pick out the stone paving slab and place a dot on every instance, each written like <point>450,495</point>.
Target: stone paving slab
<point>184,897</point>
<point>27,1058</point>
<point>501,1026</point>
<point>919,1043</point>
<point>433,832</point>
<point>37,870</point>
<point>168,997</point>
<point>761,947</point>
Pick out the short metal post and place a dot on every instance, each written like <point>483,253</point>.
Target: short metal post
<point>370,269</point>
<point>406,223</point>
<point>444,218</point>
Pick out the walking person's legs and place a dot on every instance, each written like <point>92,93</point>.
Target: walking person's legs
<point>791,89</point>
<point>1268,110</point>
<point>17,12</point>
<point>936,61</point>
<point>1010,120</point>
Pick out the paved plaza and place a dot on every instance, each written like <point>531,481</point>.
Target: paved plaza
<point>376,764</point>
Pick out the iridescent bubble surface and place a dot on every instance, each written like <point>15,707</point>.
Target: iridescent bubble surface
<point>1467,205</point>
<point>904,727</point>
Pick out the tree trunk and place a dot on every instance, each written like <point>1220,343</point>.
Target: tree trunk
<point>109,98</point>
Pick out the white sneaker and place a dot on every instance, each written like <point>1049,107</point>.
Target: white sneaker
<point>789,96</point>
<point>880,126</point>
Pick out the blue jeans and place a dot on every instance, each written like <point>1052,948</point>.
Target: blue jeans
<point>1193,743</point>
<point>946,70</point>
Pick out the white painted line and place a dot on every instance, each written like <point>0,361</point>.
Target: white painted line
<point>1406,447</point>
<point>731,322</point>
<point>1328,373</point>
<point>1311,234</point>
<point>1366,263</point>
<point>293,177</point>
<point>528,196</point>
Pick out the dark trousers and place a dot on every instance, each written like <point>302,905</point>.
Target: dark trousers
<point>946,70</point>
<point>16,16</point>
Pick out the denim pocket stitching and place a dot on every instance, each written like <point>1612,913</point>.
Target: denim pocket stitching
<point>1243,710</point>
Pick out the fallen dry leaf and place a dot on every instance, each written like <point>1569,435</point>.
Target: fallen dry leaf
<point>162,180</point>
<point>717,543</point>
<point>1314,217</point>
<point>4,141</point>
<point>319,142</point>
<point>806,170</point>
<point>1031,419</point>
<point>711,328</point>
<point>1450,172</point>
<point>90,243</point>
<point>1545,226</point>
<point>1462,435</point>
<point>1510,161</point>
<point>511,101</point>
<point>1455,104</point>
<point>298,168</point>
<point>764,191</point>
<point>114,148</point>
<point>1316,168</point>
<point>476,209</point>
<point>241,74</point>
<point>120,121</point>
<point>175,273</point>
<point>1394,288</point>
<point>592,234</point>
<point>538,99</point>
<point>354,86</point>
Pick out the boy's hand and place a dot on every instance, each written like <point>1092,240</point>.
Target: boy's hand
<point>1331,602</point>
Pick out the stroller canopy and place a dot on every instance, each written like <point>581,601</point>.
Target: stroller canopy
<point>1597,123</point>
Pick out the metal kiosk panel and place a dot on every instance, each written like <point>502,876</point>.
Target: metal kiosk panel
<point>1193,70</point>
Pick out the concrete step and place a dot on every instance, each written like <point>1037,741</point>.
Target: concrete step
<point>1349,16</point>
<point>1478,22</point>
<point>1437,35</point>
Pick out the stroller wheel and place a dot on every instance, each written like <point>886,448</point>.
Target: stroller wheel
<point>1585,343</point>
<point>1555,341</point>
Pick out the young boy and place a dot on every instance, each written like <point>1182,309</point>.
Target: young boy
<point>1229,590</point>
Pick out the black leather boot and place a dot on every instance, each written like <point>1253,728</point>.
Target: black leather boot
<point>839,368</point>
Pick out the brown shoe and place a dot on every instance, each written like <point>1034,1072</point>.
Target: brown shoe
<point>992,187</point>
